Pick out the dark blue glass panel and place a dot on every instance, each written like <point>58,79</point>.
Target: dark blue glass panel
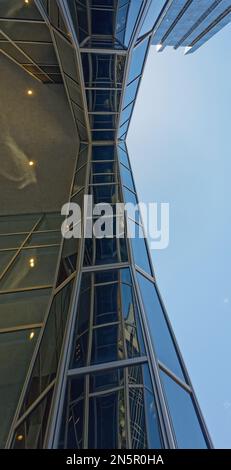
<point>103,100</point>
<point>184,418</point>
<point>162,339</point>
<point>107,344</point>
<point>103,135</point>
<point>103,167</point>
<point>102,22</point>
<point>137,61</point>
<point>106,304</point>
<point>103,152</point>
<point>105,430</point>
<point>103,70</point>
<point>106,379</point>
<point>130,92</point>
<point>139,247</point>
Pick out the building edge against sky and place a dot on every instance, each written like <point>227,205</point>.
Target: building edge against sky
<point>98,364</point>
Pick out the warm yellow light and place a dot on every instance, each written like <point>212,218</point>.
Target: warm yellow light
<point>32,262</point>
<point>26,1</point>
<point>30,92</point>
<point>32,335</point>
<point>31,163</point>
<point>19,437</point>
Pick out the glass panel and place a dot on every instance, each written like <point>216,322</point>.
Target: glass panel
<point>127,178</point>
<point>17,223</point>
<point>137,61</point>
<point>79,180</point>
<point>46,363</point>
<point>184,418</point>
<point>130,92</point>
<point>21,10</point>
<point>107,421</point>
<point>68,259</point>
<point>15,351</point>
<point>106,250</point>
<point>11,241</point>
<point>107,344</point>
<point>5,257</point>
<point>67,57</point>
<point>31,433</point>
<point>123,130</point>
<point>33,267</point>
<point>134,9</point>
<point>105,380</point>
<point>103,70</point>
<point>103,100</point>
<point>103,152</point>
<point>71,432</point>
<point>130,198</point>
<point>123,157</point>
<point>106,304</point>
<point>152,15</point>
<point>51,221</point>
<point>18,31</point>
<point>46,238</point>
<point>139,247</point>
<point>80,344</point>
<point>162,339</point>
<point>23,308</point>
<point>126,113</point>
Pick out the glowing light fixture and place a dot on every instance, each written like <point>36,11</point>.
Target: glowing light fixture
<point>27,2</point>
<point>31,163</point>
<point>19,437</point>
<point>32,262</point>
<point>32,335</point>
<point>30,92</point>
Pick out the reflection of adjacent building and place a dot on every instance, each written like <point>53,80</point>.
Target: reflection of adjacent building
<point>83,325</point>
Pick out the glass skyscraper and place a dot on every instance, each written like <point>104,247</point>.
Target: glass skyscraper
<point>88,356</point>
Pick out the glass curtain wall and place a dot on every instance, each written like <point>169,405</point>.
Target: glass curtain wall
<point>113,376</point>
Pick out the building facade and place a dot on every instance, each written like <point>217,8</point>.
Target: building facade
<point>89,356</point>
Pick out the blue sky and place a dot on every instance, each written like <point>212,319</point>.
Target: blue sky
<point>179,145</point>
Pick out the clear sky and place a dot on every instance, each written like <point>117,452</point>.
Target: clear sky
<point>180,146</point>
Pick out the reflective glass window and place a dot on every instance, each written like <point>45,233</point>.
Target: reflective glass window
<point>126,113</point>
<point>45,238</point>
<point>152,15</point>
<point>23,308</point>
<point>183,414</point>
<point>103,100</point>
<point>130,198</point>
<point>123,157</point>
<point>46,363</point>
<point>103,152</point>
<point>103,70</point>
<point>31,433</point>
<point>137,61</point>
<point>162,339</point>
<point>18,223</point>
<point>107,344</point>
<point>16,350</point>
<point>134,9</point>
<point>127,177</point>
<point>130,92</point>
<point>139,246</point>
<point>67,57</point>
<point>32,267</point>
<point>11,241</point>
<point>107,423</point>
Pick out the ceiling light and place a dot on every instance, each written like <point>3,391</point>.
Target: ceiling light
<point>32,335</point>
<point>31,163</point>
<point>32,262</point>
<point>30,92</point>
<point>26,2</point>
<point>19,437</point>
